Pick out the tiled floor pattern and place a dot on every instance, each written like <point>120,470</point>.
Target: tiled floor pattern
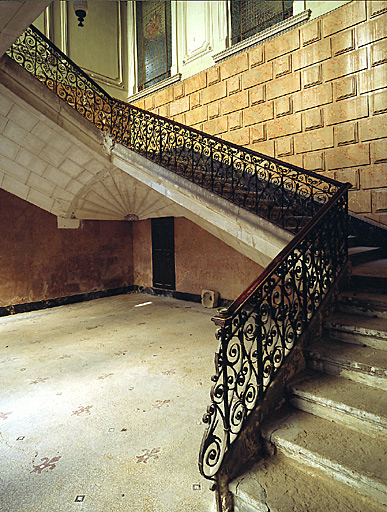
<point>101,405</point>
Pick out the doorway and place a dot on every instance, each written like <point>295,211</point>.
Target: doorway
<point>163,253</point>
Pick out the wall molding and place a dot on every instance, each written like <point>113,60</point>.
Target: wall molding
<point>167,82</point>
<point>206,46</point>
<point>117,81</point>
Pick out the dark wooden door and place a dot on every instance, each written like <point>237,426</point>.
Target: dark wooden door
<point>163,253</point>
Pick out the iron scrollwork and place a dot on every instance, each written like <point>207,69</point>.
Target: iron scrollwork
<point>281,193</point>
<point>256,336</point>
<point>35,53</point>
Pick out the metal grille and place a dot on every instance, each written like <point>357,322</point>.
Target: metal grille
<point>284,194</point>
<point>249,17</point>
<point>34,52</point>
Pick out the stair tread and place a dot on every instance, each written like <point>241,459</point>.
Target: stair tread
<point>343,394</point>
<point>282,485</point>
<point>358,324</point>
<point>332,445</point>
<point>361,249</point>
<point>376,268</point>
<point>363,358</point>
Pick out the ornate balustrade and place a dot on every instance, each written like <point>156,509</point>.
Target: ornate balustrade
<point>40,57</point>
<point>279,192</point>
<point>262,326</point>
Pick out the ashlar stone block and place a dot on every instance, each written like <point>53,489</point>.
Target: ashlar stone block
<point>346,64</point>
<point>259,113</point>
<point>347,156</point>
<point>283,86</point>
<point>372,31</point>
<point>347,16</point>
<point>318,139</point>
<point>373,79</point>
<point>14,186</point>
<point>354,108</point>
<point>379,152</point>
<point>359,201</point>
<point>373,128</point>
<point>278,128</point>
<point>310,33</point>
<point>347,133</point>
<point>343,42</point>
<point>345,88</point>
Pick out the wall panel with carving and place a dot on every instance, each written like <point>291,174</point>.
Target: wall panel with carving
<point>100,47</point>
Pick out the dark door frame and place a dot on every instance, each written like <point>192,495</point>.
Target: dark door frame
<point>163,253</point>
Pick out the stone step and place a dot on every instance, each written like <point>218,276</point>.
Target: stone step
<point>357,363</point>
<point>352,458</point>
<point>362,330</point>
<point>370,276</point>
<point>362,303</point>
<point>352,404</point>
<point>360,254</point>
<point>279,484</point>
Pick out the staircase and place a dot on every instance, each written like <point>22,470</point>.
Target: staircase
<point>330,440</point>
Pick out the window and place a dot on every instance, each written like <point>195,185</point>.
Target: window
<point>154,42</point>
<point>249,17</point>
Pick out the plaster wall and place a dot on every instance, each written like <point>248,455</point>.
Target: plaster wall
<point>142,253</point>
<point>39,261</point>
<point>202,261</point>
<point>315,97</point>
<point>99,47</point>
<point>205,262</point>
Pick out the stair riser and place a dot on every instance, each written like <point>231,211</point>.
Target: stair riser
<point>362,310</point>
<point>362,484</point>
<point>364,257</point>
<point>339,413</point>
<point>369,283</point>
<point>356,375</point>
<point>240,505</point>
<point>358,339</point>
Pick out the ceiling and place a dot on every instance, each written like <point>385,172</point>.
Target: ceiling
<point>15,17</point>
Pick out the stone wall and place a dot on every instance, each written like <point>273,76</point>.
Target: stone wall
<point>39,261</point>
<point>315,97</point>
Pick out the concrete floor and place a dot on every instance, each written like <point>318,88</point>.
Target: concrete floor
<point>101,405</point>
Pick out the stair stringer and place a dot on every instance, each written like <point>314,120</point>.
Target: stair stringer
<point>253,236</point>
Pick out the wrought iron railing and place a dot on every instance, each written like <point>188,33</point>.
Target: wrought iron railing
<point>40,57</point>
<point>262,326</point>
<point>281,193</point>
